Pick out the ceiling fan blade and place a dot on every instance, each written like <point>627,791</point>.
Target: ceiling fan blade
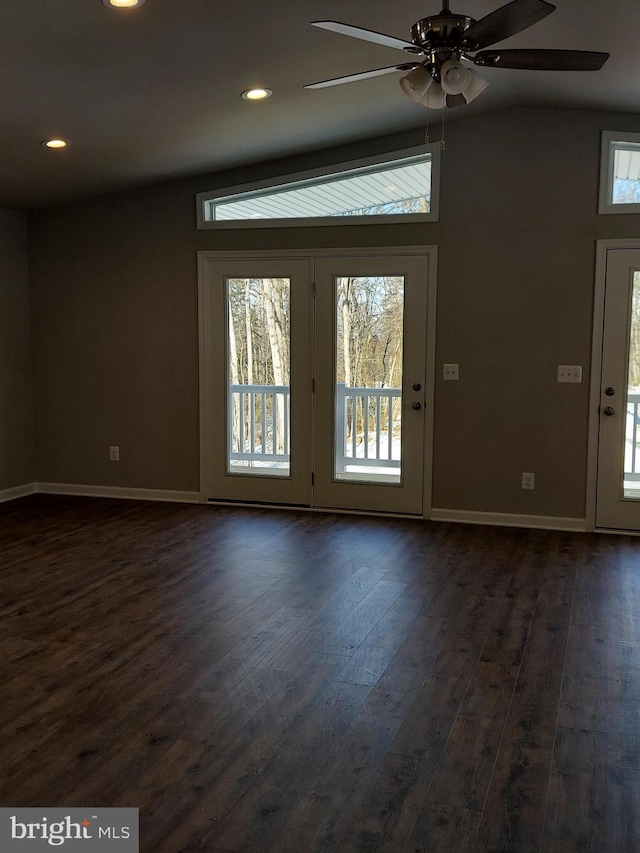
<point>366,35</point>
<point>362,75</point>
<point>504,22</point>
<point>542,60</point>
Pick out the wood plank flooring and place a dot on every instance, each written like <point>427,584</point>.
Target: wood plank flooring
<point>259,680</point>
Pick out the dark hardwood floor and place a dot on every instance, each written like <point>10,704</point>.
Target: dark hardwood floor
<point>290,683</point>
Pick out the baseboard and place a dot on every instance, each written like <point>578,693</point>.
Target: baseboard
<point>496,519</point>
<point>17,492</point>
<point>169,495</point>
<point>508,519</point>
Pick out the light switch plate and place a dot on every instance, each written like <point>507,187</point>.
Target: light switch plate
<point>570,373</point>
<point>450,372</point>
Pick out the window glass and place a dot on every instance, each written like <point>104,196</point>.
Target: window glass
<point>620,173</point>
<point>402,184</point>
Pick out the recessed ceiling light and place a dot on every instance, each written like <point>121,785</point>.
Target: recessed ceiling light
<point>55,143</point>
<point>256,94</point>
<point>123,4</point>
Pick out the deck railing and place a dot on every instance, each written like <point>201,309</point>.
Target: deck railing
<point>259,423</point>
<point>367,427</point>
<point>632,438</point>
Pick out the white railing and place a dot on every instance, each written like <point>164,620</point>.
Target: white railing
<point>367,427</point>
<point>259,423</point>
<point>632,442</point>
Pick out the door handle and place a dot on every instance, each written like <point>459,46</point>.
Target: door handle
<point>608,411</point>
<point>417,406</point>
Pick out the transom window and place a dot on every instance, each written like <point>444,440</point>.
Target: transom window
<point>403,184</point>
<point>620,173</point>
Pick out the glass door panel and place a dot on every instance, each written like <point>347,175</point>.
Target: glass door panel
<point>368,392</point>
<point>256,402</point>
<point>370,382</point>
<point>631,470</point>
<point>258,376</point>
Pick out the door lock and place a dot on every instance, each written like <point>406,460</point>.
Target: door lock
<point>417,386</point>
<point>609,391</point>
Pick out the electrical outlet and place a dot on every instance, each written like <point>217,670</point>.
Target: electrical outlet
<point>528,480</point>
<point>450,372</point>
<point>114,453</point>
<point>570,373</point>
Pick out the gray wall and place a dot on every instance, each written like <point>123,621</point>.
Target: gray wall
<point>17,463</point>
<point>114,301</point>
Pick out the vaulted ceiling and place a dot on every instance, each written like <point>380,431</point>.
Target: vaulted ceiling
<point>154,93</point>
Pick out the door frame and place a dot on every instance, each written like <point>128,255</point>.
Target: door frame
<point>597,341</point>
<point>206,258</point>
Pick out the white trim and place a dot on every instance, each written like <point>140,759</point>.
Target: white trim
<point>495,519</point>
<point>607,155</point>
<point>612,531</point>
<point>593,425</point>
<point>17,492</point>
<point>167,495</point>
<point>430,383</point>
<point>509,519</point>
<point>433,148</point>
<point>204,309</point>
<point>284,254</point>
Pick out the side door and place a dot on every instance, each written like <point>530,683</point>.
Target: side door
<point>618,485</point>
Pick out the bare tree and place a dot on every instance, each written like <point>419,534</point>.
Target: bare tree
<point>634,334</point>
<point>274,333</point>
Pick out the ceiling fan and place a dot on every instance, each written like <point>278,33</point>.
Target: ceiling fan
<point>448,45</point>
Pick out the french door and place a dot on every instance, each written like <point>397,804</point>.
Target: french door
<point>618,486</point>
<point>314,381</point>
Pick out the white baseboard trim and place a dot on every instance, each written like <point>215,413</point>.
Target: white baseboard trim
<point>508,519</point>
<point>169,495</point>
<point>496,519</point>
<point>17,492</point>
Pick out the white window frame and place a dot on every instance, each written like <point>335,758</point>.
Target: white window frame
<point>225,193</point>
<point>610,140</point>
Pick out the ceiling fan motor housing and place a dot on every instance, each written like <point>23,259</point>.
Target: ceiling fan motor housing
<point>440,31</point>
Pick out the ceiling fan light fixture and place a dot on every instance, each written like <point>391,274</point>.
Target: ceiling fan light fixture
<point>476,86</point>
<point>123,4</point>
<point>455,77</point>
<point>416,83</point>
<point>435,98</point>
